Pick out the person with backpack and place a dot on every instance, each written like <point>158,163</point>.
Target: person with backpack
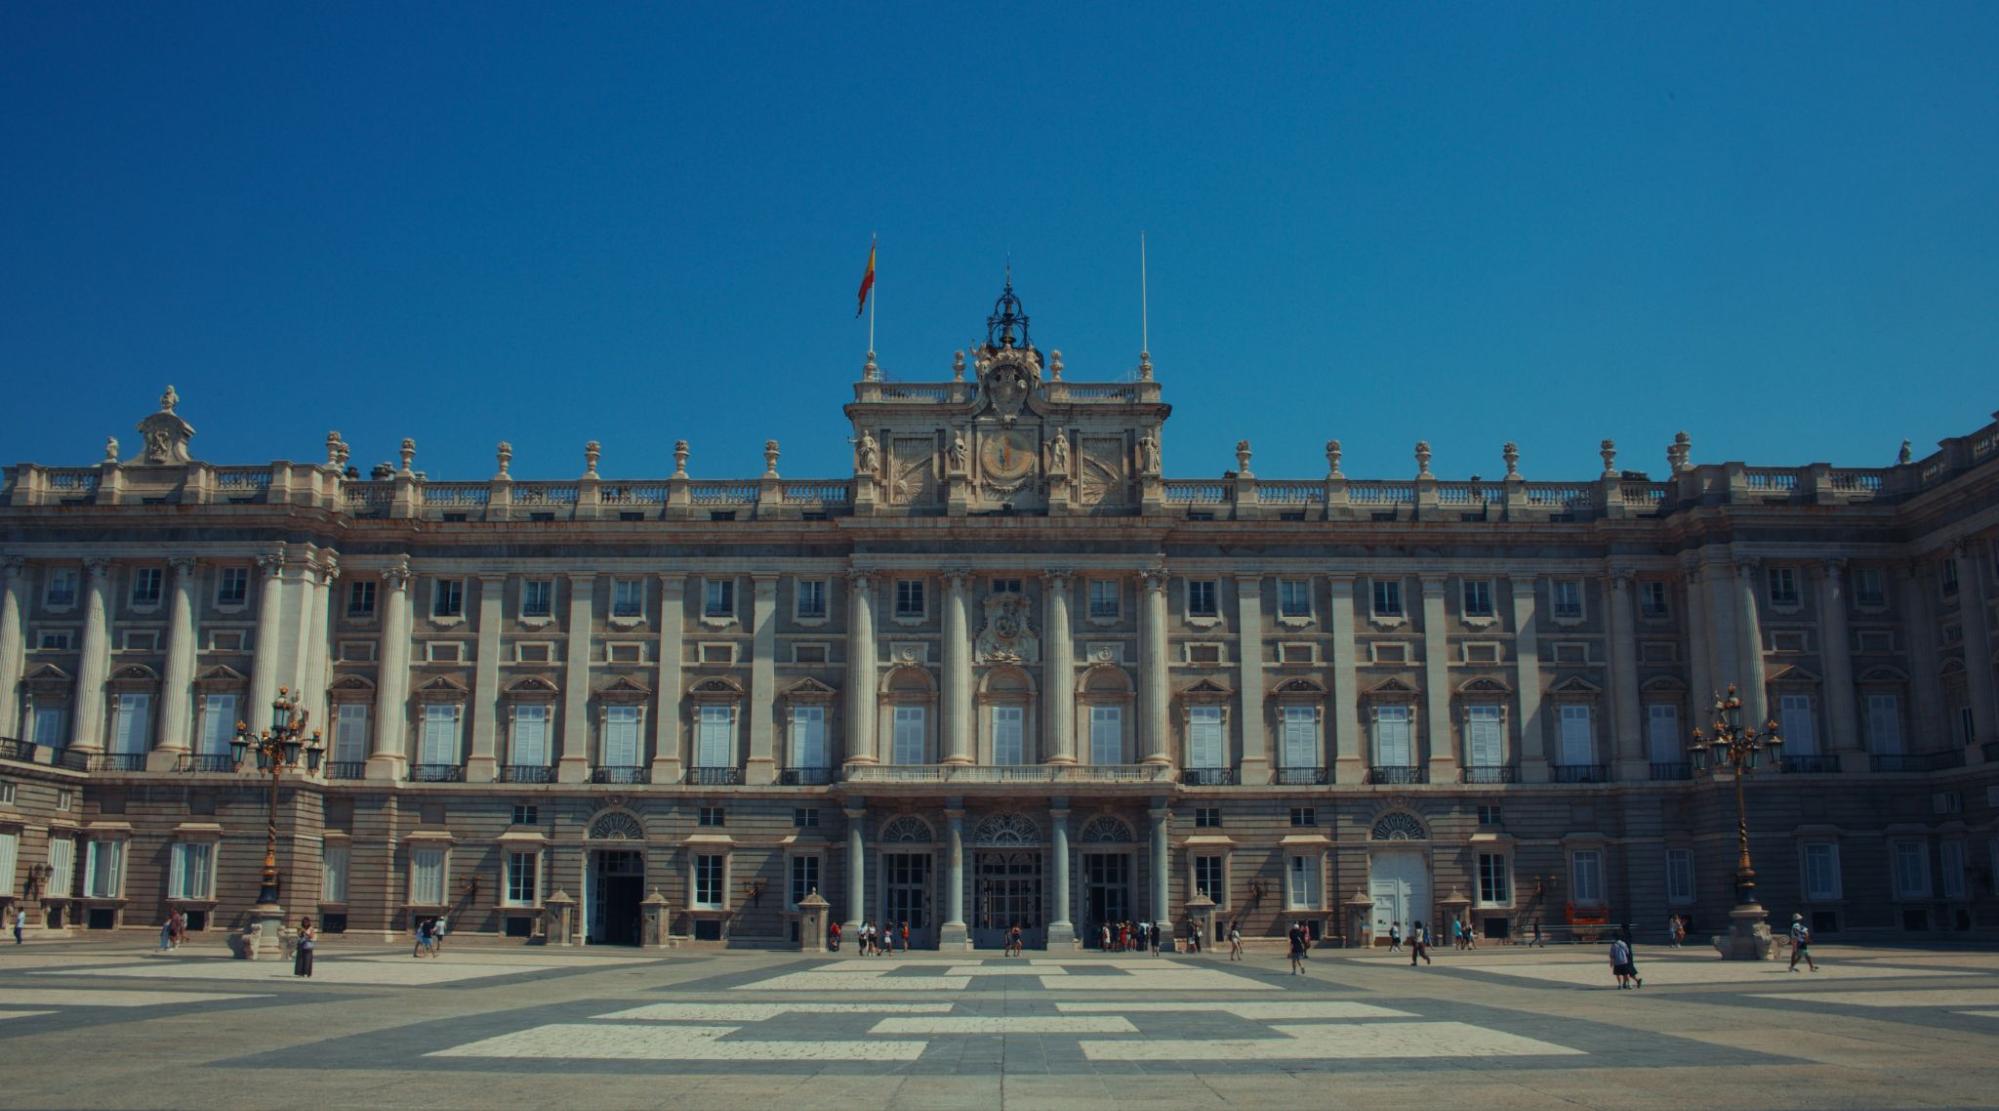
<point>1299,939</point>
<point>1395,936</point>
<point>1419,945</point>
<point>1801,943</point>
<point>1622,966</point>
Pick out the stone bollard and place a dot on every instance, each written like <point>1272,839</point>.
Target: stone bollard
<point>560,906</point>
<point>812,912</point>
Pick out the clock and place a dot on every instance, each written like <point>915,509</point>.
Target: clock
<point>1008,455</point>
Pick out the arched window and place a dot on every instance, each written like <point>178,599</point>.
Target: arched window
<point>1398,826</point>
<point>1007,829</point>
<point>1104,829</point>
<point>908,829</point>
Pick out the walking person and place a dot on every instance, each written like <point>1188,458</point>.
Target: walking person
<point>1419,945</point>
<point>167,933</point>
<point>1538,941</point>
<point>905,934</point>
<point>1676,929</point>
<point>1153,930</point>
<point>833,937</point>
<point>308,939</point>
<point>1104,937</point>
<point>1298,941</point>
<point>1457,934</point>
<point>1801,943</point>
<point>1235,941</point>
<point>1471,935</point>
<point>1395,936</point>
<point>20,924</point>
<point>1622,965</point>
<point>437,936</point>
<point>422,938</point>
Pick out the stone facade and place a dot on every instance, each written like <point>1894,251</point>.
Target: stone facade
<point>1004,672</point>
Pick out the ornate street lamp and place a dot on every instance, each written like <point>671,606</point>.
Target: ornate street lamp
<point>1736,749</point>
<point>285,746</point>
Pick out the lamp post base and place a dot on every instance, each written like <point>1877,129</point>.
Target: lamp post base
<point>263,938</point>
<point>1748,936</point>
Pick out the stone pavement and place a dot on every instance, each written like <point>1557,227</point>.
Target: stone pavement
<point>112,1026</point>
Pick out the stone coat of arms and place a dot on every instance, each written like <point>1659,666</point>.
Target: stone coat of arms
<point>1007,637</point>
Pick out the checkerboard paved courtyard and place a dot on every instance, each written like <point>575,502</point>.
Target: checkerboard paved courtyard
<point>95,1025</point>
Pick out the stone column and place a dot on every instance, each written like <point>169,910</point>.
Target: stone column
<point>1349,765</point>
<point>1627,751</point>
<point>1437,683</point>
<point>1724,646</point>
<point>318,651</point>
<point>94,660</point>
<point>1700,672</point>
<point>1977,619</point>
<point>1058,679</point>
<point>1836,652</point>
<point>952,932</point>
<point>13,644</point>
<point>1919,630</point>
<point>1527,676</point>
<point>666,762</point>
<point>574,765</point>
<point>1755,699</point>
<point>268,666</point>
<point>484,765</point>
<point>1249,680</point>
<point>955,731</point>
<point>177,683</point>
<point>1160,815</point>
<point>857,857</point>
<point>1155,738</point>
<point>1061,930</point>
<point>860,692</point>
<point>761,767</point>
<point>389,755</point>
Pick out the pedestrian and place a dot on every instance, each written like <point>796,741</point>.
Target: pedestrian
<point>20,924</point>
<point>1801,943</point>
<point>1538,941</point>
<point>1143,929</point>
<point>167,933</point>
<point>422,937</point>
<point>308,938</point>
<point>1457,934</point>
<point>1297,938</point>
<point>1104,937</point>
<point>1193,935</point>
<point>1419,944</point>
<point>437,936</point>
<point>1235,941</point>
<point>1471,935</point>
<point>833,937</point>
<point>1622,965</point>
<point>1676,929</point>
<point>179,919</point>
<point>1395,936</point>
<point>1153,930</point>
<point>905,935</point>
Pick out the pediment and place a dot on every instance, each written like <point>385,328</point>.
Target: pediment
<point>221,677</point>
<point>1577,686</point>
<point>1393,687</point>
<point>809,689</point>
<point>1484,685</point>
<point>1206,690</point>
<point>1793,676</point>
<point>531,686</point>
<point>1300,687</point>
<point>1664,683</point>
<point>443,688</point>
<point>624,688</point>
<point>1883,674</point>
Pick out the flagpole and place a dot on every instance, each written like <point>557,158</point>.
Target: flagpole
<point>1144,318</point>
<point>875,290</point>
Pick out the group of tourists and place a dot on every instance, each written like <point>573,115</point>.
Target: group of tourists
<point>1129,937</point>
<point>173,931</point>
<point>880,941</point>
<point>429,937</point>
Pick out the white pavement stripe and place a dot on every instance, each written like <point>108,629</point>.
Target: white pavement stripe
<point>758,1012</point>
<point>850,982</point>
<point>670,1043</point>
<point>1256,1012</point>
<point>1373,1040</point>
<point>4,1015</point>
<point>1003,970</point>
<point>878,965</point>
<point>1980,1014</point>
<point>407,973</point>
<point>1006,1024</point>
<point>54,997</point>
<point>1597,973</point>
<point>1185,981</point>
<point>1940,998</point>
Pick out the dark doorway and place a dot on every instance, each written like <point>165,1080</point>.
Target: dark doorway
<point>1106,894</point>
<point>617,884</point>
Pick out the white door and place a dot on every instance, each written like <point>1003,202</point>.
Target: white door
<point>1399,884</point>
<point>1578,744</point>
<point>1800,729</point>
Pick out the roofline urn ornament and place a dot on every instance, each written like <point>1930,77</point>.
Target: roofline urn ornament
<point>592,452</point>
<point>1608,449</point>
<point>1510,452</point>
<point>1333,459</point>
<point>1423,459</point>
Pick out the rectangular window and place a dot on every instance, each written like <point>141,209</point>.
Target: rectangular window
<point>62,867</point>
<point>909,598</point>
<point>628,598</point>
<point>1966,730</point>
<point>146,585</point>
<point>526,814</point>
<point>1009,735</point>
<point>1202,598</point>
<point>1566,599</point>
<point>805,817</point>
<point>621,736</point>
<point>447,598</point>
<point>1294,597</point>
<point>808,736</point>
<point>10,856</point>
<point>232,586</point>
<point>530,740</point>
<point>1884,724</point>
<point>1912,869</point>
<point>1478,598</point>
<point>1303,816</point>
<point>1204,737</point>
<point>1868,588</point>
<point>1207,817</point>
<point>9,792</point>
<point>1489,814</point>
<point>1104,599</point>
<point>52,641</point>
<point>218,724</point>
<point>1949,574</point>
<point>1485,744</point>
<point>713,817</point>
<point>1495,880</point>
<point>1800,728</point>
<point>1006,586</point>
<point>51,726</point>
<point>1300,736</point>
<point>1391,738</point>
<point>1211,878</point>
<point>538,598</point>
<point>1680,876</point>
<point>909,735</point>
<point>1822,872</point>
<point>1653,600</point>
<point>810,602</point>
<point>361,599</point>
<point>191,871</point>
<point>333,857</point>
<point>714,738</point>
<point>1578,737</point>
<point>131,721</point>
<point>1106,735</point>
<point>1301,883</point>
<point>1387,598</point>
<point>1663,741</point>
<point>804,878</point>
<point>708,881</point>
<point>60,591</point>
<point>1952,871</point>
<point>103,869</point>
<point>523,879</point>
<point>427,876</point>
<point>439,743</point>
<point>1783,587</point>
<point>1586,877</point>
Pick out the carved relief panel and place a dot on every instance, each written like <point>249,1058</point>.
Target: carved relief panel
<point>1101,476</point>
<point>912,470</point>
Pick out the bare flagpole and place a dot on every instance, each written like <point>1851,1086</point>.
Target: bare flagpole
<point>1144,317</point>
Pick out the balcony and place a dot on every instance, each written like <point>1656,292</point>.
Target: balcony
<point>1091,774</point>
<point>715,777</point>
<point>104,761</point>
<point>1208,777</point>
<point>12,749</point>
<point>1398,776</point>
<point>1491,774</point>
<point>526,773</point>
<point>1671,771</point>
<point>436,773</point>
<point>621,775</point>
<point>1917,762</point>
<point>1809,765</point>
<point>1581,773</point>
<point>346,769</point>
<point>805,777</point>
<point>1302,777</point>
<point>205,764</point>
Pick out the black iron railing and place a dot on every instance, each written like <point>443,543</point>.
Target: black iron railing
<point>117,762</point>
<point>1490,774</point>
<point>1917,761</point>
<point>205,763</point>
<point>1398,775</point>
<point>436,773</point>
<point>73,760</point>
<point>1301,777</point>
<point>621,775</point>
<point>805,777</point>
<point>526,773</point>
<point>1582,773</point>
<point>12,748</point>
<point>1208,777</point>
<point>1672,770</point>
<point>347,769</point>
<point>1809,765</point>
<point>714,777</point>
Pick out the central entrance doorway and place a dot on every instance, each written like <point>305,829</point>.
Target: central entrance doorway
<point>617,884</point>
<point>1006,887</point>
<point>906,897</point>
<point>1106,893</point>
<point>1399,883</point>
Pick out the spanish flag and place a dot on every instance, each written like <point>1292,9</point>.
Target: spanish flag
<point>867,281</point>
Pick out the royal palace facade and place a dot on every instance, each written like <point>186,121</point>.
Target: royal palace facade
<point>1004,672</point>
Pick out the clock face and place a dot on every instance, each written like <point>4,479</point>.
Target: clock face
<point>1008,454</point>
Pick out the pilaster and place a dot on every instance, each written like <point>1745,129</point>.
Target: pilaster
<point>483,766</point>
<point>1348,765</point>
<point>860,692</point>
<point>1527,676</point>
<point>761,767</point>
<point>94,659</point>
<point>1443,755</point>
<point>577,649</point>
<point>666,755</point>
<point>1058,680</point>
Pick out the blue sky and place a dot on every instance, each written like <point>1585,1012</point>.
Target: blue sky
<point>1773,226</point>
